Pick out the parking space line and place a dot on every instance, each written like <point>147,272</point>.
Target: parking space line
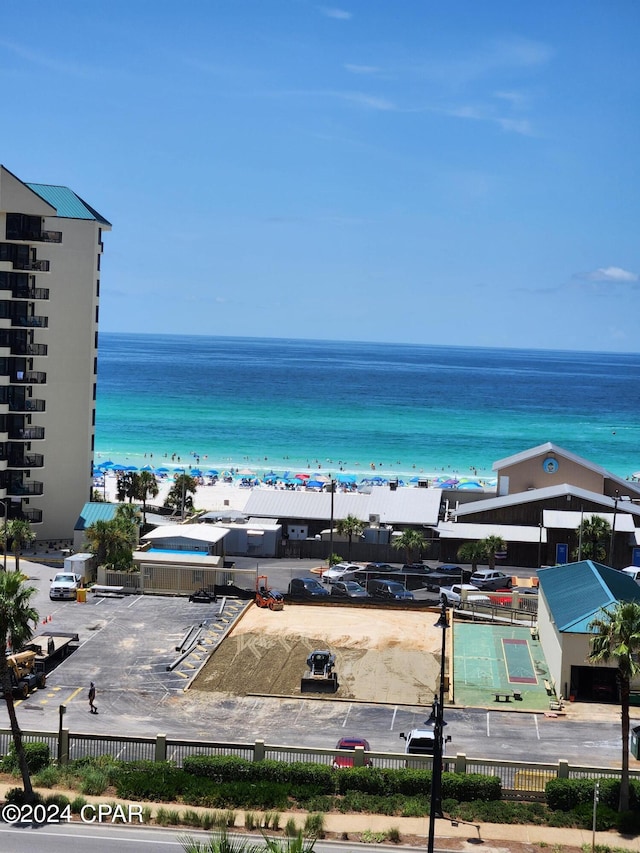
<point>73,695</point>
<point>488,726</point>
<point>535,720</point>
<point>135,601</point>
<point>393,718</point>
<point>346,716</point>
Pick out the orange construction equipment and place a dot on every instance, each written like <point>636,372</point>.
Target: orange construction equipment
<point>266,597</point>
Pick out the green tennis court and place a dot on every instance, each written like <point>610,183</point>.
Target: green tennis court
<point>498,659</point>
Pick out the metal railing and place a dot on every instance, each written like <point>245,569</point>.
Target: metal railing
<point>518,778</point>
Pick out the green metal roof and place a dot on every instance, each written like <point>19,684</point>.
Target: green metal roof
<point>67,203</point>
<point>95,511</point>
<point>575,593</point>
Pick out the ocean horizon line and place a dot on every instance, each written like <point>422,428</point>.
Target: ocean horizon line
<point>367,342</point>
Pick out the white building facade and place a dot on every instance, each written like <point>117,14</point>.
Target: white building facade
<point>50,251</point>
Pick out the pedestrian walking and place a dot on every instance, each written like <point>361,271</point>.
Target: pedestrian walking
<point>92,695</point>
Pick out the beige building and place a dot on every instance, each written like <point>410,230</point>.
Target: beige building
<point>50,249</point>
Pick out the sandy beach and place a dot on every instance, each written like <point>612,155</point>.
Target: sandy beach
<point>210,497</point>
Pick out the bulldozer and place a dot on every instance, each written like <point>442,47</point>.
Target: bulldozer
<point>267,597</point>
<point>320,677</point>
<point>26,673</point>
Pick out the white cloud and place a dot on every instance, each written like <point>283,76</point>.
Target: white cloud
<point>338,14</point>
<point>610,274</point>
<point>361,69</point>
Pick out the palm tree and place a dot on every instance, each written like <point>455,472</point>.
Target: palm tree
<point>493,545</point>
<point>349,526</point>
<point>180,494</point>
<point>410,541</point>
<point>472,552</point>
<point>617,637</point>
<point>16,617</point>
<point>20,533</point>
<point>112,541</point>
<point>145,486</point>
<point>594,535</point>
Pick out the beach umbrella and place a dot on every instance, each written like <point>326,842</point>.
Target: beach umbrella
<point>162,470</point>
<point>446,484</point>
<point>107,464</point>
<point>470,484</point>
<point>130,468</point>
<point>321,478</point>
<point>147,468</point>
<point>302,476</point>
<point>118,467</point>
<point>246,472</point>
<point>212,472</point>
<point>196,472</point>
<point>314,484</point>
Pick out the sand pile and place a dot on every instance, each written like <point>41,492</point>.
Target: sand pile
<point>381,655</point>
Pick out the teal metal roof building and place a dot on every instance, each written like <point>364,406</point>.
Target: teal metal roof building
<point>67,203</point>
<point>571,597</point>
<point>575,593</point>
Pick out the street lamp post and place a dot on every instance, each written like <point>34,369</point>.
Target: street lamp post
<point>613,527</point>
<point>332,484</point>
<point>437,709</point>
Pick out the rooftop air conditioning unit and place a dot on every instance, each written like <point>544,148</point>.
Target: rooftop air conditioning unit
<point>374,519</point>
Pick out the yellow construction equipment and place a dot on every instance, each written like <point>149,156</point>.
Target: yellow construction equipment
<point>25,672</point>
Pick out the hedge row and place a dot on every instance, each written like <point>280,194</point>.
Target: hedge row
<point>227,776</point>
<point>565,794</point>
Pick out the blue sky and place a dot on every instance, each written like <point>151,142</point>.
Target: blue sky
<point>429,172</point>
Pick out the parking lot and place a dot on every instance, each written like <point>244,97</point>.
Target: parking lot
<point>127,643</point>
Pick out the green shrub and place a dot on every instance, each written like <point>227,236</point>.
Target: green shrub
<point>314,826</point>
<point>37,754</point>
<point>48,777</point>
<point>466,787</point>
<point>77,803</point>
<point>290,828</point>
<point>629,822</point>
<point>94,782</point>
<point>190,817</point>
<point>164,784</point>
<point>60,800</point>
<point>606,817</point>
<point>17,796</point>
<point>251,822</point>
<point>393,835</point>
<point>565,794</point>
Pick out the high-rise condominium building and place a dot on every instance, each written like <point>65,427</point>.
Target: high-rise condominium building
<point>50,250</point>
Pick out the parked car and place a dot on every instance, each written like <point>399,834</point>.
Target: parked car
<point>348,589</point>
<point>491,579</point>
<point>65,586</point>
<point>391,590</point>
<point>340,572</point>
<point>445,574</point>
<point>453,594</point>
<point>307,588</point>
<point>350,743</point>
<point>419,741</point>
<point>414,575</point>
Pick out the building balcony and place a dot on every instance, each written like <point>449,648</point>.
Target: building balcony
<point>30,322</point>
<point>26,460</point>
<point>22,292</point>
<point>32,266</point>
<point>30,433</point>
<point>33,516</point>
<point>29,377</point>
<point>21,489</point>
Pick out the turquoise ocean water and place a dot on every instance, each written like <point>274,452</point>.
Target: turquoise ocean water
<point>293,404</point>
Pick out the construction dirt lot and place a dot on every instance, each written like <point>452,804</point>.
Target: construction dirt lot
<point>386,656</point>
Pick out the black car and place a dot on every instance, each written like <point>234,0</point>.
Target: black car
<point>391,590</point>
<point>414,575</point>
<point>445,575</point>
<point>307,588</point>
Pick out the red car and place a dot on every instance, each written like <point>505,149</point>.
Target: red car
<point>350,743</point>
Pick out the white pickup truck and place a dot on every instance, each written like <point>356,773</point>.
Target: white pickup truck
<point>65,586</point>
<point>459,592</point>
<point>633,572</point>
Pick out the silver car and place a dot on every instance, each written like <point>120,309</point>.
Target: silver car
<point>491,579</point>
<point>340,572</point>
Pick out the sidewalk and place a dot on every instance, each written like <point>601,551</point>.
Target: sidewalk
<point>495,838</point>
